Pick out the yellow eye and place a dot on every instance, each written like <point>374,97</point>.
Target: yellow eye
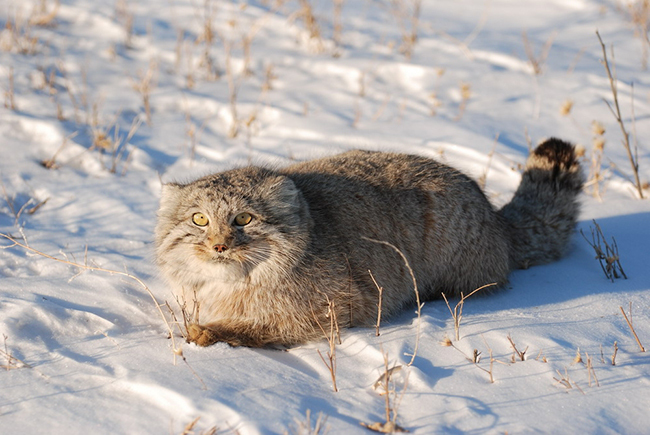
<point>199,219</point>
<point>243,219</point>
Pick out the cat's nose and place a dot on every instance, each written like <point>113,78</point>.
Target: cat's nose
<point>220,248</point>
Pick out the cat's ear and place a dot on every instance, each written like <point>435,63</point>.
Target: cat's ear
<point>170,195</point>
<point>284,189</point>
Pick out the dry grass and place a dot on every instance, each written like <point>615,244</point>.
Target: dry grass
<point>537,60</point>
<point>628,320</point>
<point>125,17</point>
<point>305,427</point>
<point>415,289</point>
<point>11,362</point>
<point>190,429</point>
<point>516,352</point>
<point>638,13</point>
<point>380,289</point>
<point>333,337</point>
<point>476,357</point>
<point>616,111</point>
<point>465,95</point>
<point>10,92</point>
<point>566,382</point>
<point>596,173</point>
<point>392,399</point>
<point>457,312</point>
<point>407,14</point>
<point>144,86</point>
<point>17,35</point>
<point>608,258</point>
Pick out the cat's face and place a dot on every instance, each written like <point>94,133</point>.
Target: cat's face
<point>230,227</point>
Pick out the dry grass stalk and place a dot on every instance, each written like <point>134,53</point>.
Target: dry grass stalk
<point>515,351</point>
<point>457,312</point>
<point>465,95</point>
<point>591,372</point>
<point>123,14</point>
<point>233,88</point>
<point>144,86</point>
<point>629,323</point>
<point>492,360</point>
<point>482,181</point>
<point>193,134</point>
<point>42,17</point>
<point>17,37</point>
<point>566,381</point>
<point>391,399</point>
<point>338,27</point>
<point>30,206</point>
<point>51,162</point>
<point>380,289</point>
<point>304,427</point>
<point>639,15</point>
<point>10,100</point>
<point>415,289</point>
<point>332,336</point>
<point>578,358</point>
<point>616,111</point>
<point>615,353</point>
<point>565,108</point>
<point>177,350</point>
<point>476,357</point>
<point>189,429</point>
<point>11,361</point>
<point>306,14</point>
<point>609,259</point>
<point>596,176</point>
<point>537,60</point>
<point>207,38</point>
<point>408,19</point>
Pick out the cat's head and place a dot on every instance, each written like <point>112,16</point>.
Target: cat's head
<point>235,225</point>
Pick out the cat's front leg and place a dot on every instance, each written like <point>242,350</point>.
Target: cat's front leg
<point>207,335</point>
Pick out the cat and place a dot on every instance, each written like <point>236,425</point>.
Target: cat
<point>269,257</point>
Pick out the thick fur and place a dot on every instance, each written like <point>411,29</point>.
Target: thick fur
<point>313,237</point>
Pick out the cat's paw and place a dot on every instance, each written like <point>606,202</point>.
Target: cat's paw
<point>201,335</point>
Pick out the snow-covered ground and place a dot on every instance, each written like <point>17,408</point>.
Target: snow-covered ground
<point>121,95</point>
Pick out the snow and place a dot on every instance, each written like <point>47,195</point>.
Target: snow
<point>89,350</point>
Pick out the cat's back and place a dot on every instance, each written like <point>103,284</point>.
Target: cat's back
<point>381,182</point>
<point>372,167</point>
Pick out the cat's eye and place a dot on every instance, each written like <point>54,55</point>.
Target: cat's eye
<point>243,219</point>
<point>199,219</point>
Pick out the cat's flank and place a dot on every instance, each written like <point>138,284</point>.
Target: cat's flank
<point>261,255</point>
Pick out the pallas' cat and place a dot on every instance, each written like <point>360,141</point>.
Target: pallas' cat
<point>261,256</point>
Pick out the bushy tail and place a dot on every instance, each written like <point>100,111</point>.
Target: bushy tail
<point>542,215</point>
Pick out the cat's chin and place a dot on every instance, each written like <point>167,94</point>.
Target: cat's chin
<point>226,270</point>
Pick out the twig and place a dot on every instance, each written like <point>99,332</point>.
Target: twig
<point>616,111</point>
<point>457,312</point>
<point>609,260</point>
<point>482,181</point>
<point>381,292</point>
<point>590,370</point>
<point>12,361</point>
<point>629,323</point>
<point>517,352</point>
<point>415,289</point>
<point>384,381</point>
<point>331,339</point>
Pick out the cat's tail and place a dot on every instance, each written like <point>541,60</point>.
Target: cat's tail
<point>541,217</point>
